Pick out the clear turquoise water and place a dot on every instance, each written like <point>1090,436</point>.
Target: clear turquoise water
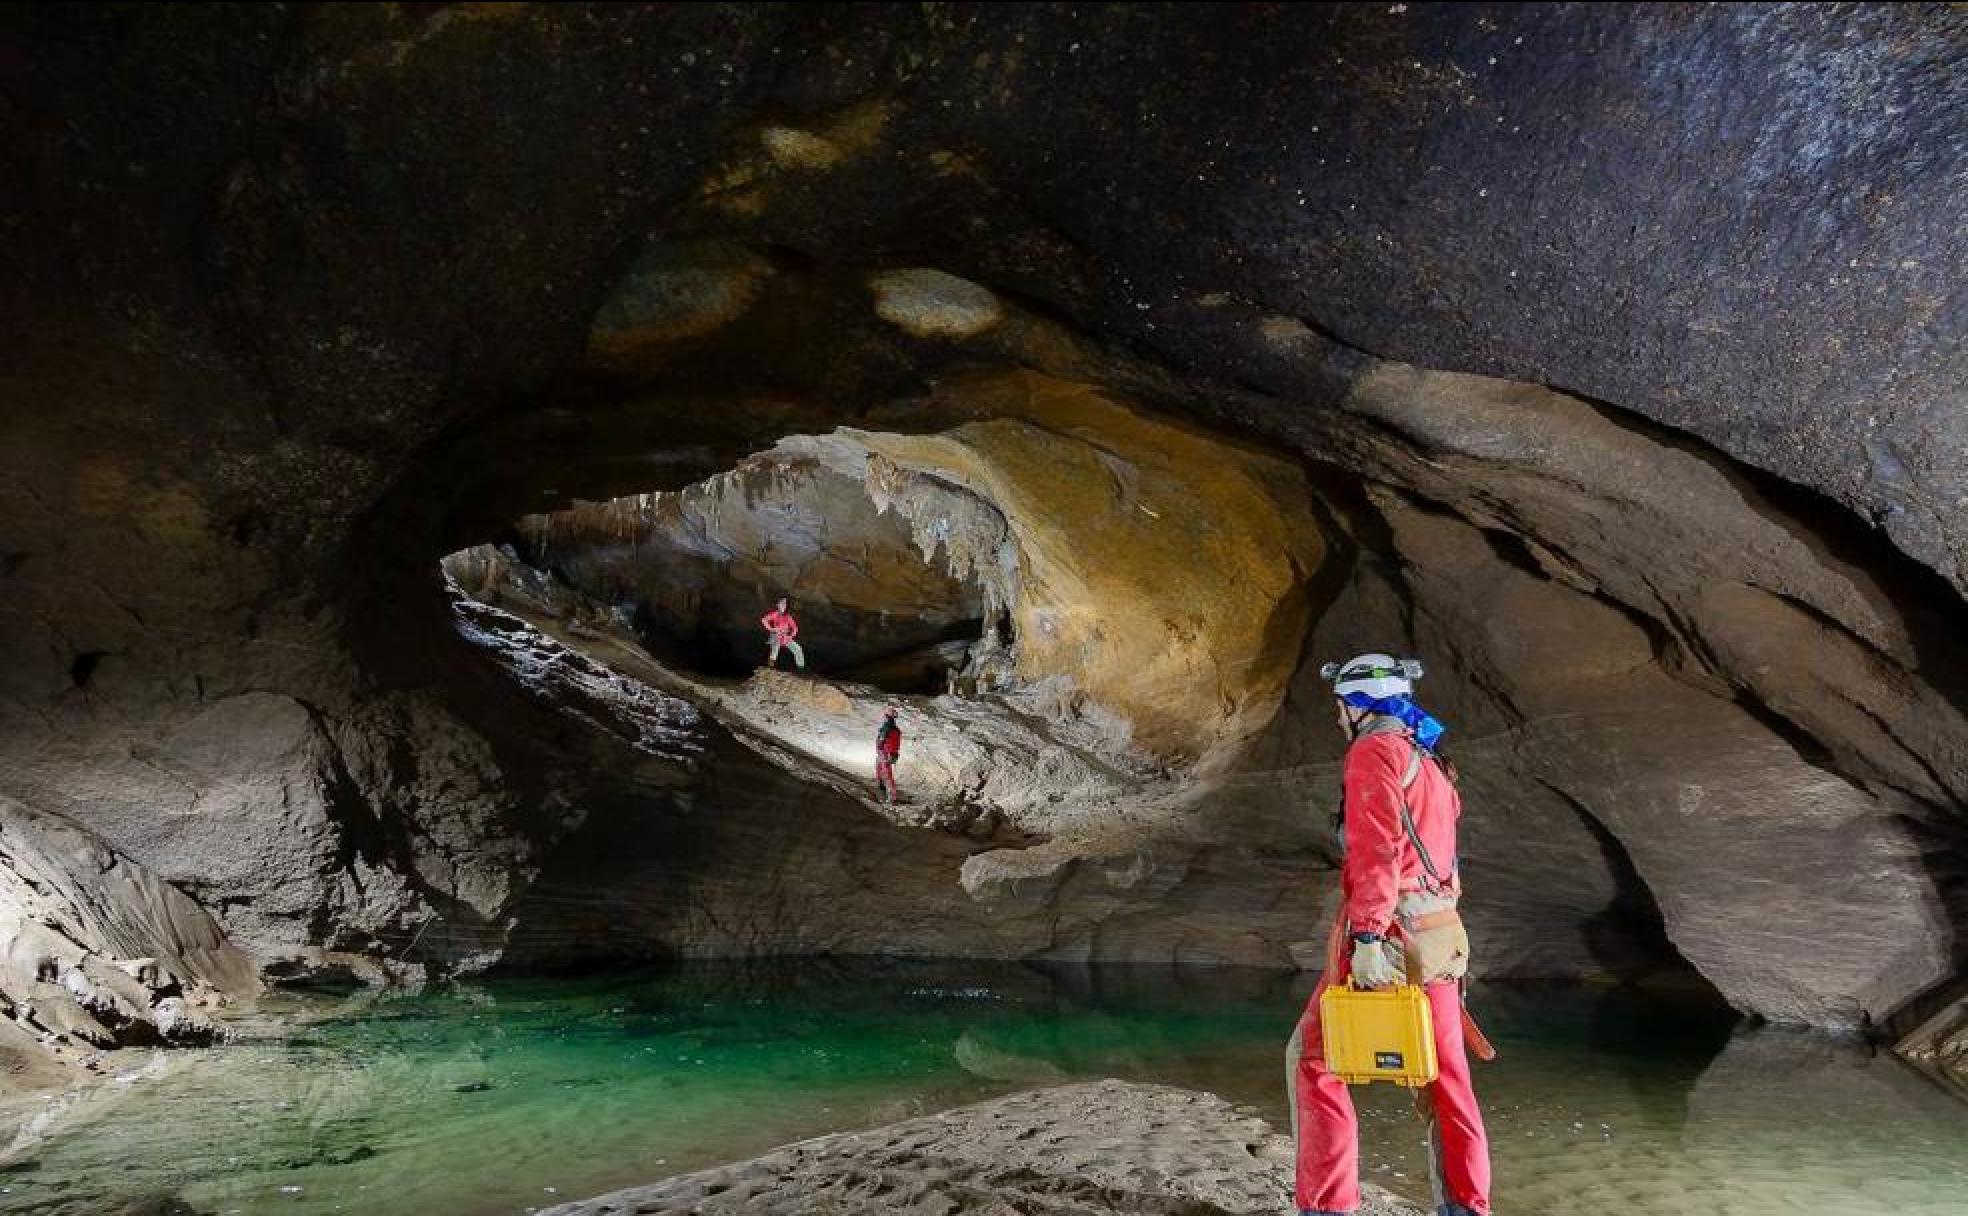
<point>514,1095</point>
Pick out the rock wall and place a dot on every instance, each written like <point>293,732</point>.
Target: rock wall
<point>1940,1045</point>
<point>300,299</point>
<point>1568,720</point>
<point>1160,570</point>
<point>1628,817</point>
<point>96,952</point>
<point>776,845</point>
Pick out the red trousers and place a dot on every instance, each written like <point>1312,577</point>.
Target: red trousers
<point>1328,1133</point>
<point>885,774</point>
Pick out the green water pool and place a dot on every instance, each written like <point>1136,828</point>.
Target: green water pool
<point>508,1096</point>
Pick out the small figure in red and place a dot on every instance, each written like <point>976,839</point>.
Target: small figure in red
<point>781,629</point>
<point>888,749</point>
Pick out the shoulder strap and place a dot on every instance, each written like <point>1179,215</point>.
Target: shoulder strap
<point>1407,818</point>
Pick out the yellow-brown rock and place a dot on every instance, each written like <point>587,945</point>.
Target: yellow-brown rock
<point>1161,570</point>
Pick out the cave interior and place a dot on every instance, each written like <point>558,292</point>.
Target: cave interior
<point>396,468</point>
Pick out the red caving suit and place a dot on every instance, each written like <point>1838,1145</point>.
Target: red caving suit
<point>888,748</point>
<point>780,625</point>
<point>1381,864</point>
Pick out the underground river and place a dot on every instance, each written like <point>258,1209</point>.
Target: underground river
<point>493,496</point>
<point>507,1096</point>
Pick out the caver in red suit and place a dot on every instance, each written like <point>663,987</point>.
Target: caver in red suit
<point>1390,896</point>
<point>888,749</point>
<point>780,630</point>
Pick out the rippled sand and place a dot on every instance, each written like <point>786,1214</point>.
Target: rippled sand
<point>1099,1149</point>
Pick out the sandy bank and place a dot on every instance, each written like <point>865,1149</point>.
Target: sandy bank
<point>1093,1149</point>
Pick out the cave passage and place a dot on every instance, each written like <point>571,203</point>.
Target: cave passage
<point>1071,601</point>
<point>690,573</point>
<point>408,413</point>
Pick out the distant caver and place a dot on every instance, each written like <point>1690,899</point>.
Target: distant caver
<point>780,630</point>
<point>888,749</point>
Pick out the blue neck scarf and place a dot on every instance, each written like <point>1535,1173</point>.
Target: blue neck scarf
<point>1427,731</point>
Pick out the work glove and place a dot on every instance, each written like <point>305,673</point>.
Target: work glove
<point>1372,968</point>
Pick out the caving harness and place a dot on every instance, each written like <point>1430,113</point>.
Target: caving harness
<point>1441,886</point>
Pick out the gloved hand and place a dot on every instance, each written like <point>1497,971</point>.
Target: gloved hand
<point>1372,968</point>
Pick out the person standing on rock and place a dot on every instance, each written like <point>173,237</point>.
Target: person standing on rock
<point>780,630</point>
<point>1398,813</point>
<point>888,749</point>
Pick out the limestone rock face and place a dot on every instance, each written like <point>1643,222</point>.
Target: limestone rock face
<point>1159,570</point>
<point>1014,838</point>
<point>1143,574</point>
<point>1940,1044</point>
<point>1701,796</point>
<point>241,758</point>
<point>1760,595</point>
<point>96,952</point>
<point>696,570</point>
<point>1608,357</point>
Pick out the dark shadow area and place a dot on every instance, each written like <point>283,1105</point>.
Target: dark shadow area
<point>1659,1043</point>
<point>1628,937</point>
<point>83,669</point>
<point>925,669</point>
<point>896,655</point>
<point>742,862</point>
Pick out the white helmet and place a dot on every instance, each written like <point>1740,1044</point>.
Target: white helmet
<point>1376,675</point>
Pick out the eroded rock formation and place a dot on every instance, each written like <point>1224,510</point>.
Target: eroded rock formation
<point>301,300</point>
<point>695,571</point>
<point>96,952</point>
<point>1126,572</point>
<point>1940,1044</point>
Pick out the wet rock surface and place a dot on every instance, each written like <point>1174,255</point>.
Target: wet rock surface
<point>1940,1044</point>
<point>1087,1149</point>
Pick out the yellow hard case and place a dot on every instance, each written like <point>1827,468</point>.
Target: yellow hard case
<point>1378,1036</point>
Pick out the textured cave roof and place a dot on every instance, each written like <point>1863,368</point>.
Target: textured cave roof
<point>284,246</point>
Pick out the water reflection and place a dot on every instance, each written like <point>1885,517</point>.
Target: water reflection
<point>1654,1050</point>
<point>515,1094</point>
